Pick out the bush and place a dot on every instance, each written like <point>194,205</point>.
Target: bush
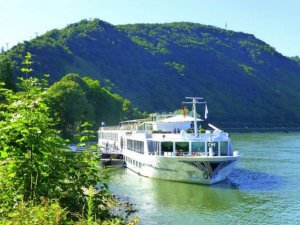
<point>27,213</point>
<point>40,181</point>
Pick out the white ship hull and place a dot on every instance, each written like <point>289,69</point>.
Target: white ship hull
<point>201,170</point>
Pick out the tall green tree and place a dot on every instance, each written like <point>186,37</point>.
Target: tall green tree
<point>68,101</point>
<point>6,72</point>
<point>74,100</point>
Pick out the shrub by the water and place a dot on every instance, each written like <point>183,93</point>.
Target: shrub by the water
<point>40,181</point>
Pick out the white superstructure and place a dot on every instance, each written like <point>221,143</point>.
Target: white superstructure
<point>163,147</point>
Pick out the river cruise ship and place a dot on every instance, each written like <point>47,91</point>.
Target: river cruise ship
<point>170,147</point>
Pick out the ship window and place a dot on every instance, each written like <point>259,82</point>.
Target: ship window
<point>149,126</point>
<point>198,146</point>
<point>224,147</point>
<point>167,146</point>
<point>182,146</point>
<point>121,142</point>
<point>153,147</point>
<point>109,136</point>
<point>214,145</point>
<point>136,146</point>
<point>129,144</point>
<point>141,127</point>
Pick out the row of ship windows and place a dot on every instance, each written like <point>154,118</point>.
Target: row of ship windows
<point>109,136</point>
<point>183,147</point>
<point>200,148</point>
<point>133,162</point>
<point>136,146</point>
<point>152,145</point>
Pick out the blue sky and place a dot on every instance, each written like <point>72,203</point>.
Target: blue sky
<point>273,21</point>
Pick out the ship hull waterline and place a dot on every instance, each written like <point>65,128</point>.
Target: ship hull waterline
<point>198,170</point>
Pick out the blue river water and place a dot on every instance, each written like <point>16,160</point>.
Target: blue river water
<point>264,188</point>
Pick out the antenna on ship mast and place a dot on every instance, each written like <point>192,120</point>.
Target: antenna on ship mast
<point>194,102</point>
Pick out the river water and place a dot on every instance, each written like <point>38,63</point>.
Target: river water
<point>264,188</point>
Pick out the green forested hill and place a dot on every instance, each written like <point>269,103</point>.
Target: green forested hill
<point>245,81</point>
<point>296,59</point>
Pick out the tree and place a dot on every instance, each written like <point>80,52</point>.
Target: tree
<point>74,100</point>
<point>131,112</point>
<point>107,106</point>
<point>6,72</point>
<point>69,103</point>
<point>34,162</point>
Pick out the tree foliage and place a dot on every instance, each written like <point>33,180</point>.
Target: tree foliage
<point>34,164</point>
<point>74,99</point>
<point>245,81</point>
<point>6,72</point>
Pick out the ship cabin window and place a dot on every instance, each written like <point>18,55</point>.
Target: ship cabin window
<point>223,147</point>
<point>141,127</point>
<point>145,126</point>
<point>109,136</point>
<point>166,148</point>
<point>148,126</point>
<point>215,146</point>
<point>198,148</point>
<point>121,142</point>
<point>182,148</point>
<point>136,146</point>
<point>153,147</point>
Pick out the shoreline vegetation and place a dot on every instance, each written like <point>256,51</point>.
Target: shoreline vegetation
<point>40,181</point>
